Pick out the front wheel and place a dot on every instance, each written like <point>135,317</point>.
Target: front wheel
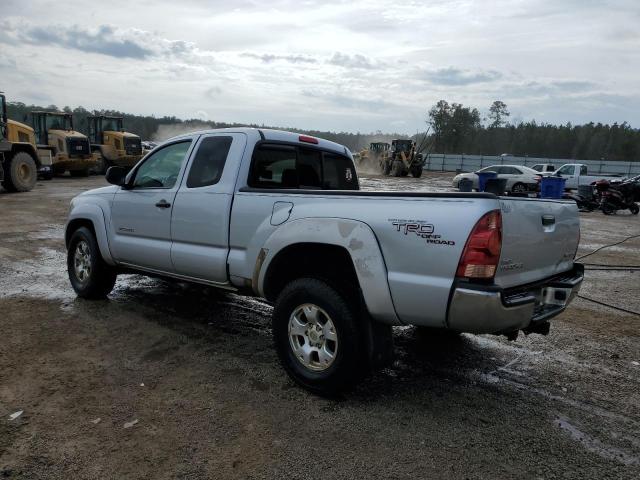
<point>90,276</point>
<point>22,174</point>
<point>416,171</point>
<point>319,340</point>
<point>634,209</point>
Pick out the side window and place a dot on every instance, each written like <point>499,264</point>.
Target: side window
<point>209,161</point>
<point>161,169</point>
<point>274,167</point>
<point>515,171</point>
<point>566,170</point>
<point>339,173</point>
<point>583,170</point>
<point>551,168</point>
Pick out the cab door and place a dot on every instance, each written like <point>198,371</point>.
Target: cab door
<point>140,230</point>
<point>202,208</point>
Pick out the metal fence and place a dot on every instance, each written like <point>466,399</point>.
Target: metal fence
<point>470,163</point>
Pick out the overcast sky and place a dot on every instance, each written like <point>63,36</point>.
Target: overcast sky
<point>354,66</point>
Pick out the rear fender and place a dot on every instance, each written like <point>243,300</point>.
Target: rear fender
<point>92,213</point>
<point>361,244</point>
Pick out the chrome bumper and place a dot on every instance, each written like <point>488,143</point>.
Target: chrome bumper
<point>491,309</point>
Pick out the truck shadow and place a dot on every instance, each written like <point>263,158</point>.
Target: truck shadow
<point>242,326</point>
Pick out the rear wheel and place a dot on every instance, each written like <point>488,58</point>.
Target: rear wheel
<point>634,209</point>
<point>321,341</point>
<point>22,174</point>
<point>519,188</point>
<point>608,209</point>
<point>386,167</point>
<point>89,274</point>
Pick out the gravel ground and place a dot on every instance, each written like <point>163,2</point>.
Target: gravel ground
<point>167,380</point>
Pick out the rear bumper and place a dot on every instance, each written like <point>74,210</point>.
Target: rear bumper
<point>491,309</point>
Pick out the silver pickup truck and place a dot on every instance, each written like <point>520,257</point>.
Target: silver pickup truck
<point>280,216</point>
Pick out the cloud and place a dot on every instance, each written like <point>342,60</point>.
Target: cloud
<point>351,61</point>
<point>104,40</point>
<point>456,77</point>
<point>269,58</point>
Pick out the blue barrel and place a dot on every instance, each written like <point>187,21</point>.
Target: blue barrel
<point>552,187</point>
<point>482,179</point>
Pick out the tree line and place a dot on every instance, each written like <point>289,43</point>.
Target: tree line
<point>458,129</point>
<point>147,126</point>
<point>453,128</point>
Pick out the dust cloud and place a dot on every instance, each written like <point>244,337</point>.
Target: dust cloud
<point>166,132</point>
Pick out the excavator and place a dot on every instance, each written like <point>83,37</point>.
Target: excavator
<point>111,144</point>
<point>21,161</point>
<point>70,149</point>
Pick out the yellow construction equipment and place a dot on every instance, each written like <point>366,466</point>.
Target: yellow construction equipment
<point>402,159</point>
<point>70,149</point>
<point>20,159</point>
<point>111,144</point>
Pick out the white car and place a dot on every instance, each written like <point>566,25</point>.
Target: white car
<point>519,179</point>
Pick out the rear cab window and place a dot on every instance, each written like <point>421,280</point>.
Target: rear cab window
<point>284,166</point>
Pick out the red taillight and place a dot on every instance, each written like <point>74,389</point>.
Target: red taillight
<point>482,251</point>
<point>537,178</point>
<point>307,139</point>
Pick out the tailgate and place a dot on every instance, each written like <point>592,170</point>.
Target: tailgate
<point>539,239</point>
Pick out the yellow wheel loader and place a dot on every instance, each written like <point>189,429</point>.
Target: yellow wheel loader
<point>372,154</point>
<point>111,144</point>
<point>70,149</point>
<point>20,160</point>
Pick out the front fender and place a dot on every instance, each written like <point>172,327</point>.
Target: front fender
<point>94,214</point>
<point>361,244</point>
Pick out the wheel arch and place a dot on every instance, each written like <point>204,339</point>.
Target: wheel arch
<point>346,251</point>
<point>91,217</point>
<point>19,147</point>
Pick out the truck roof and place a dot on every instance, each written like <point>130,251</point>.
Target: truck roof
<point>274,135</point>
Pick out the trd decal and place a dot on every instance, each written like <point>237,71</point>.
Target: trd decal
<point>420,228</point>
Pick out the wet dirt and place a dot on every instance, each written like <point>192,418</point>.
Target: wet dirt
<point>168,380</point>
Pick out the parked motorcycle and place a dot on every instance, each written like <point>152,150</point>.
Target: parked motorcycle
<point>620,196</point>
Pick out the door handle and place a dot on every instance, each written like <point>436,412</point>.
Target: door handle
<point>163,204</point>
<point>548,220</point>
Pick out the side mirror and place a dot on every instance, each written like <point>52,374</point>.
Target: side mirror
<point>116,176</point>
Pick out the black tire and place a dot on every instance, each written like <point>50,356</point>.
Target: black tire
<point>396,168</point>
<point>608,209</point>
<point>386,167</point>
<point>100,278</point>
<point>519,188</point>
<point>634,209</point>
<point>22,174</point>
<point>416,171</point>
<point>79,173</point>
<point>355,353</point>
<point>102,164</point>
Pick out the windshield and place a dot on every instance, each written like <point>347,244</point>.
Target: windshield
<point>59,122</point>
<point>112,124</point>
<point>403,146</point>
